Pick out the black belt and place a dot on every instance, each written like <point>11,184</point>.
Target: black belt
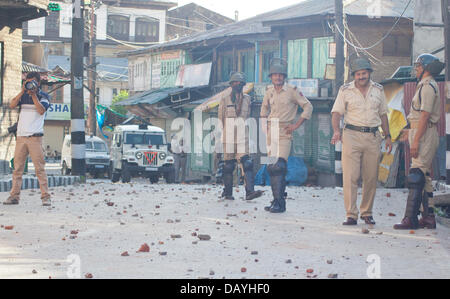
<point>362,129</point>
<point>37,135</point>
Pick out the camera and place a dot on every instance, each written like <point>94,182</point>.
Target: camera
<point>31,85</point>
<point>13,129</point>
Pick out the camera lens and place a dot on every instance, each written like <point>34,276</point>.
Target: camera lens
<point>31,85</point>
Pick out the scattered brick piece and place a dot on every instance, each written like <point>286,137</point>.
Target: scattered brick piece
<point>144,248</point>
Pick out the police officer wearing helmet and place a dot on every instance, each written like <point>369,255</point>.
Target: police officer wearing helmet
<point>363,105</point>
<point>234,108</point>
<point>280,106</point>
<point>423,138</point>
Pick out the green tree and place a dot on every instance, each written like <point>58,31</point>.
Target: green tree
<point>123,95</point>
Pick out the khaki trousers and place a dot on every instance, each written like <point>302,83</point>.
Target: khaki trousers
<point>427,150</point>
<point>279,146</point>
<point>360,151</point>
<point>29,146</point>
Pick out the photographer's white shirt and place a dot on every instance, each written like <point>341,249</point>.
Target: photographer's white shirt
<point>30,121</point>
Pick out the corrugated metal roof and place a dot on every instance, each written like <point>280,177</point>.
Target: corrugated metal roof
<point>386,8</point>
<point>151,97</point>
<point>29,67</point>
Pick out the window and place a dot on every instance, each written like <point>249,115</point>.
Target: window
<point>268,55</point>
<point>298,59</point>
<point>320,56</point>
<point>119,27</point>
<point>247,64</point>
<point>1,73</point>
<point>114,91</point>
<point>397,45</point>
<point>226,62</point>
<point>147,30</point>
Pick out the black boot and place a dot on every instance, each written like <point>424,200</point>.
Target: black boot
<point>249,178</point>
<point>227,178</point>
<point>416,183</point>
<point>277,174</point>
<point>428,219</point>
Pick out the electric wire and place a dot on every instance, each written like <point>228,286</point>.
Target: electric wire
<point>381,40</point>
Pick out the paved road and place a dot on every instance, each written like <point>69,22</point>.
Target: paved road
<point>92,225</point>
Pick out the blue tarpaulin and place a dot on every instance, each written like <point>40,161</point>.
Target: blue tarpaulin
<point>296,176</point>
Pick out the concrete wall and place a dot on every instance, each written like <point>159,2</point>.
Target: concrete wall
<point>428,39</point>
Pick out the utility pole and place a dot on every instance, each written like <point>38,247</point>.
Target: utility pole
<point>446,19</point>
<point>340,58</point>
<point>77,100</point>
<point>92,74</point>
<point>339,81</point>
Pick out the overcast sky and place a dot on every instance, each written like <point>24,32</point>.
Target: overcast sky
<point>246,8</point>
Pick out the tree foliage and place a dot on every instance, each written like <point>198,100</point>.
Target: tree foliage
<point>123,95</point>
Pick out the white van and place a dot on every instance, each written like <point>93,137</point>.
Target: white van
<point>97,156</point>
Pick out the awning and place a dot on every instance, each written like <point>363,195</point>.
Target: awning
<point>214,101</point>
<point>152,97</point>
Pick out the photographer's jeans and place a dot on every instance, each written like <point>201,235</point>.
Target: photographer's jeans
<point>29,146</point>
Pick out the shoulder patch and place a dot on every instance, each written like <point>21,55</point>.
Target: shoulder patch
<point>270,86</point>
<point>345,86</point>
<point>377,85</point>
<point>292,86</point>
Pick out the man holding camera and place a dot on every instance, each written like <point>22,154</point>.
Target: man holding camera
<point>33,104</point>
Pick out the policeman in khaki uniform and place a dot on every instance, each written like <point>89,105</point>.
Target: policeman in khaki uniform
<point>236,108</point>
<point>280,106</point>
<point>363,105</point>
<point>424,141</point>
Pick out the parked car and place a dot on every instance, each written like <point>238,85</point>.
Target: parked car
<point>97,156</point>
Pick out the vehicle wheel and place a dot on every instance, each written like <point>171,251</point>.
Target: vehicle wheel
<point>170,176</point>
<point>154,179</point>
<point>126,175</point>
<point>65,170</point>
<point>107,173</point>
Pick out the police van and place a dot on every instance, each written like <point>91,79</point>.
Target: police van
<point>141,150</point>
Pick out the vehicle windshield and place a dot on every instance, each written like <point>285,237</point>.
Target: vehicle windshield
<point>96,146</point>
<point>144,139</point>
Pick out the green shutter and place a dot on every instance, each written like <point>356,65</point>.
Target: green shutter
<point>169,72</point>
<point>298,59</point>
<point>320,56</point>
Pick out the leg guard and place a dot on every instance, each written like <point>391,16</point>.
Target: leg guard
<point>227,178</point>
<point>416,184</point>
<point>277,174</point>
<point>249,175</point>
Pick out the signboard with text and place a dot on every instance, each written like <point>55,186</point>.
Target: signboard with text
<point>61,111</point>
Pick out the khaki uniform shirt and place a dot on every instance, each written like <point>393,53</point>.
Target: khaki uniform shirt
<point>359,110</point>
<point>228,110</point>
<point>283,105</point>
<point>428,90</point>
